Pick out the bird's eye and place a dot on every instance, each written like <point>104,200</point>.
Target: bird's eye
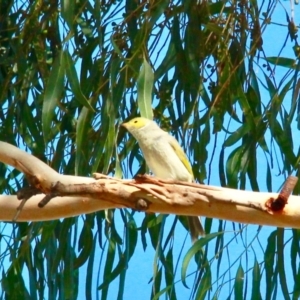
<point>135,121</point>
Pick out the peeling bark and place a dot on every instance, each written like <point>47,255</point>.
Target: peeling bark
<point>74,195</point>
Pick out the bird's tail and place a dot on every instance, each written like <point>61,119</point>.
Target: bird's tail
<point>196,228</point>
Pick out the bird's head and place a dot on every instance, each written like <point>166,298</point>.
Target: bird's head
<point>136,123</point>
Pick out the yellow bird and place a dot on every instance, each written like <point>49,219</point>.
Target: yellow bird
<point>164,157</point>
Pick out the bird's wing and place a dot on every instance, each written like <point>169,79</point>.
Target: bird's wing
<point>195,225</point>
<point>180,153</point>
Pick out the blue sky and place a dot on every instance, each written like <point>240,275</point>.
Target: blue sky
<point>140,268</point>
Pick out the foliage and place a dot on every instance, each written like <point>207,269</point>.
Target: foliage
<point>71,71</point>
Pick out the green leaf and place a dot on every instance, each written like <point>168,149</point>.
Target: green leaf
<point>86,248</point>
<point>233,166</point>
<point>110,138</point>
<point>110,258</point>
<point>281,262</point>
<point>239,283</point>
<point>144,90</point>
<point>115,46</point>
<point>83,125</point>
<point>282,61</point>
<point>191,253</point>
<point>169,274</point>
<point>53,93</point>
<point>296,290</point>
<point>271,88</point>
<point>113,274</point>
<point>155,291</point>
<point>90,270</point>
<point>167,63</point>
<point>74,83</point>
<point>218,7</point>
<point>130,9</point>
<point>269,259</point>
<point>67,12</point>
<point>283,140</point>
<point>237,135</point>
<point>118,168</point>
<point>205,284</point>
<point>256,281</point>
<point>156,11</point>
<point>269,179</point>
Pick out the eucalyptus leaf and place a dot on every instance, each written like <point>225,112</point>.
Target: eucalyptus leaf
<point>144,90</point>
<point>53,94</point>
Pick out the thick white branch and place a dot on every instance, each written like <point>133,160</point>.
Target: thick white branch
<point>85,195</point>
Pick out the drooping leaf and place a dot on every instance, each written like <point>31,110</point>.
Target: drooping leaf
<point>282,61</point>
<point>193,250</point>
<point>74,83</point>
<point>53,94</point>
<point>239,283</point>
<point>144,90</point>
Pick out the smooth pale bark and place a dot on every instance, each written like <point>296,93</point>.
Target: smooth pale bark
<point>86,195</point>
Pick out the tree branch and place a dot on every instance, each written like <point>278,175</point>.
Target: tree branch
<point>74,195</point>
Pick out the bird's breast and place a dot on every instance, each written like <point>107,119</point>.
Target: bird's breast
<point>163,161</point>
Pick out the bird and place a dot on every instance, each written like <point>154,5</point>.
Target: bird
<point>165,158</point>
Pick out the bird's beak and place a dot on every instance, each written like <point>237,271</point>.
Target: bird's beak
<point>125,124</point>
